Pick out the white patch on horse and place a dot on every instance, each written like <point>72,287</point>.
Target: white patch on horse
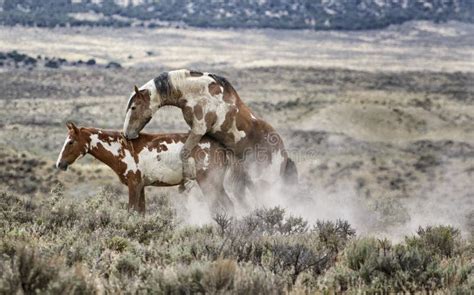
<point>165,166</point>
<point>205,145</point>
<point>252,116</point>
<point>155,99</point>
<point>113,147</point>
<point>62,151</point>
<point>193,88</point>
<point>205,163</point>
<point>238,134</point>
<point>130,162</point>
<point>127,120</point>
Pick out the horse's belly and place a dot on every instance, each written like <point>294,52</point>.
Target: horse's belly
<point>165,166</point>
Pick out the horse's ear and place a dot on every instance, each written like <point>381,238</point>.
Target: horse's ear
<point>136,90</point>
<point>72,127</point>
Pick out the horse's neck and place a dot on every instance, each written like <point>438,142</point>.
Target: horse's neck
<point>101,153</point>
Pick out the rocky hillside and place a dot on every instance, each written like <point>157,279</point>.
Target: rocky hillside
<point>292,14</point>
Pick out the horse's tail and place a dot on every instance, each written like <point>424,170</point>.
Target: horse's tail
<point>290,174</point>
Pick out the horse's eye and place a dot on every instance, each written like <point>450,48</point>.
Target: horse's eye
<point>71,142</point>
<point>133,108</point>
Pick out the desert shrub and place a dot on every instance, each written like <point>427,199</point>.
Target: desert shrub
<point>223,221</point>
<point>75,281</point>
<point>152,226</point>
<point>127,264</point>
<point>421,263</point>
<point>94,244</point>
<point>91,62</point>
<point>296,255</point>
<point>334,235</point>
<point>15,209</point>
<point>219,276</point>
<point>251,279</point>
<point>54,64</point>
<point>61,216</point>
<point>30,272</point>
<point>25,272</point>
<point>272,220</point>
<point>177,280</point>
<point>439,240</point>
<point>117,243</point>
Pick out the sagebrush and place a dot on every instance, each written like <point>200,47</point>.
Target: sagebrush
<point>58,245</point>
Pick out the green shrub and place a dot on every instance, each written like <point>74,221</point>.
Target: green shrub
<point>439,240</point>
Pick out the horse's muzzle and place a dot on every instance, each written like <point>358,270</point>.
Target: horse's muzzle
<point>62,166</point>
<point>130,136</point>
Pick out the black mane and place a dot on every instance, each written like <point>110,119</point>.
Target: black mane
<point>163,85</point>
<point>221,80</point>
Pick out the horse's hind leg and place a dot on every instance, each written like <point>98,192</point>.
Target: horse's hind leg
<point>212,186</point>
<point>239,183</point>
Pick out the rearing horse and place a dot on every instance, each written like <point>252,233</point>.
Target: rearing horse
<point>211,106</point>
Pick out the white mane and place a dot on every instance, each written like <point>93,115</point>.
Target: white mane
<point>180,80</point>
<point>187,84</point>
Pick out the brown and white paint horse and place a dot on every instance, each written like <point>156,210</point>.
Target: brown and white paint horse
<point>210,105</point>
<point>150,160</point>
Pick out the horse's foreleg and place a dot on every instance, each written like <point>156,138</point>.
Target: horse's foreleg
<point>141,201</point>
<point>189,167</point>
<point>134,191</point>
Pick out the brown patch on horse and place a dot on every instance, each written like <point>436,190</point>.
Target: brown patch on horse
<point>188,115</point>
<point>198,112</point>
<point>210,119</point>
<point>229,95</point>
<point>224,136</point>
<point>229,117</point>
<point>214,89</point>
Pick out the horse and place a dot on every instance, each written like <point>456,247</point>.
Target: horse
<point>151,160</point>
<point>211,106</point>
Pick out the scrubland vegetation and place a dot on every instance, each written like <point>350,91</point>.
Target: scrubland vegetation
<point>63,246</point>
<point>380,124</point>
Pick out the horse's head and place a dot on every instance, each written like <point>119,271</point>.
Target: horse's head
<point>75,145</point>
<point>139,113</point>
